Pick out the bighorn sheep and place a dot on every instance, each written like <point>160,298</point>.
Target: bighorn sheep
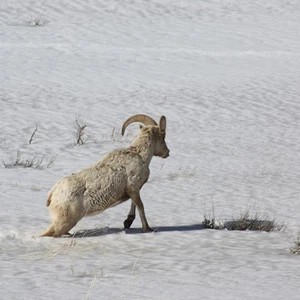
<point>117,177</point>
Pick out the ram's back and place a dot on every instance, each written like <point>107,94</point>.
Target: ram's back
<point>107,182</point>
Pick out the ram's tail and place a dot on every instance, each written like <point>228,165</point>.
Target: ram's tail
<point>49,199</point>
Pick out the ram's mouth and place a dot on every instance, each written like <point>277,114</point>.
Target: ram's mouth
<point>166,155</point>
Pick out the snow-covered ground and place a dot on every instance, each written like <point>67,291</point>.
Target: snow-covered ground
<point>225,74</point>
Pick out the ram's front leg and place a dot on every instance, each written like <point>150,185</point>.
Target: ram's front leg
<point>131,216</point>
<point>136,199</point>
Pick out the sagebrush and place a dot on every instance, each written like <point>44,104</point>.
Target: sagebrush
<point>245,221</point>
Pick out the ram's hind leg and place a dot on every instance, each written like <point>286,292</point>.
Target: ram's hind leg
<point>131,216</point>
<point>58,228</point>
<point>64,219</point>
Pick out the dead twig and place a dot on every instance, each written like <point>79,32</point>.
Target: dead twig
<point>80,127</point>
<point>34,132</point>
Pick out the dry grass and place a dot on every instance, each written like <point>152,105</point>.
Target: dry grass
<point>245,221</point>
<point>48,254</point>
<point>81,136</point>
<point>182,172</point>
<point>37,22</point>
<point>211,223</point>
<point>115,136</point>
<point>37,162</point>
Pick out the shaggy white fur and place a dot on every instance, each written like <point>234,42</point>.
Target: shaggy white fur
<point>117,177</point>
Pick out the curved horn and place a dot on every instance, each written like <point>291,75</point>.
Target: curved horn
<point>138,118</point>
<point>163,125</point>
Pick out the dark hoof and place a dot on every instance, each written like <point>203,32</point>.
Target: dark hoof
<point>127,223</point>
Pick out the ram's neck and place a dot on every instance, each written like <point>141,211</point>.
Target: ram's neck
<point>145,147</point>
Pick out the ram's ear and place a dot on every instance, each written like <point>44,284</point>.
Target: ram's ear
<point>163,125</point>
<point>141,126</point>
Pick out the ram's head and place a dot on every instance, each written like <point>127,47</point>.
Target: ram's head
<point>158,131</point>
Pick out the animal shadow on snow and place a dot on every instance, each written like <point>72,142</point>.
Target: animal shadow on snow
<point>107,230</point>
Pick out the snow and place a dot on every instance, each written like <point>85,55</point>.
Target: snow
<point>226,76</point>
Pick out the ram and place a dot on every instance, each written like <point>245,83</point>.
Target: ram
<point>116,178</point>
